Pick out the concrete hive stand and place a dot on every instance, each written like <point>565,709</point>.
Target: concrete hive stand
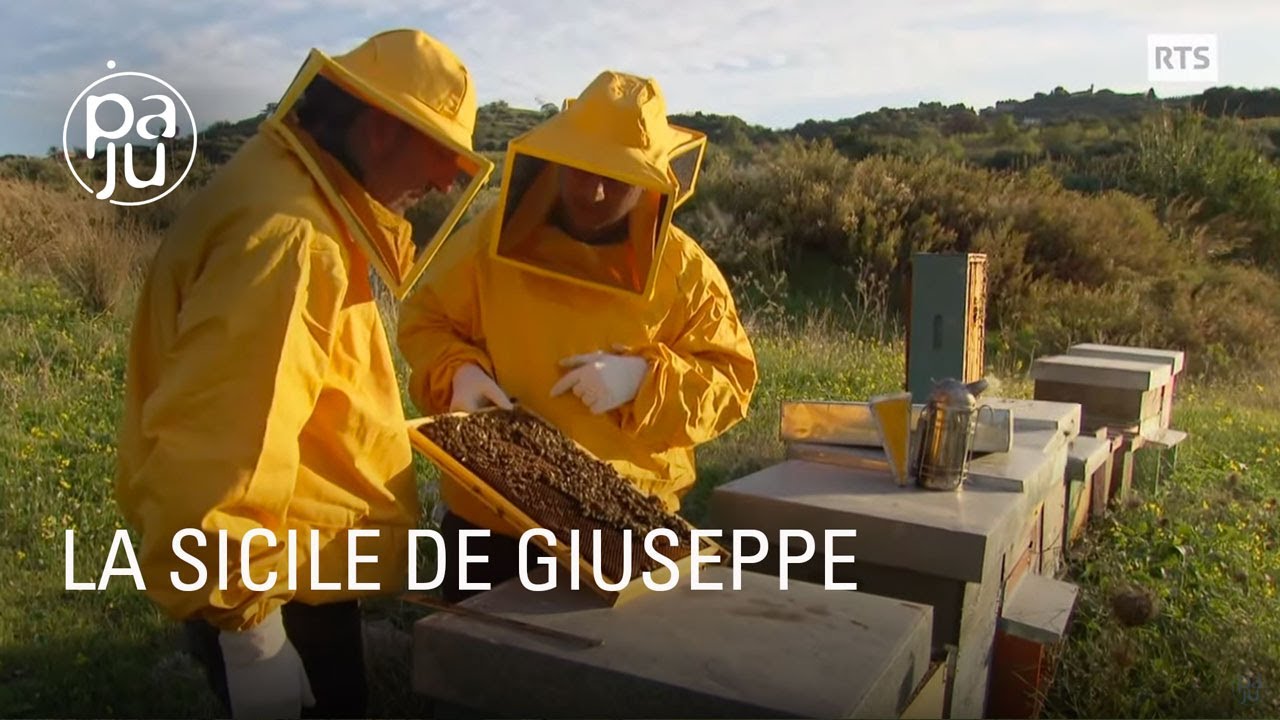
<point>960,552</point>
<point>754,652</point>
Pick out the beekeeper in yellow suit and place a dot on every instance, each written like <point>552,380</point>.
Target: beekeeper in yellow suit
<point>261,394</point>
<point>577,296</point>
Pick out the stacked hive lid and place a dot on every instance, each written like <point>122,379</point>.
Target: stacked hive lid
<point>1123,388</point>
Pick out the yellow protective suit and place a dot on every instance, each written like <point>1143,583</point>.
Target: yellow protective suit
<point>260,388</point>
<point>519,316</point>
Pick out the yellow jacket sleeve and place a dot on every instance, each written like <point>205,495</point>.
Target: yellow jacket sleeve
<point>439,327</point>
<point>700,381</point>
<point>251,347</point>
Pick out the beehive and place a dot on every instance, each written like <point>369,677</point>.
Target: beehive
<point>947,320</point>
<point>1121,394</point>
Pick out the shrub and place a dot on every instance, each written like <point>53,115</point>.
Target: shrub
<point>1216,163</point>
<point>92,250</point>
<point>1063,266</point>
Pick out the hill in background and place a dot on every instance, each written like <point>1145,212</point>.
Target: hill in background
<point>498,122</point>
<point>1085,202</point>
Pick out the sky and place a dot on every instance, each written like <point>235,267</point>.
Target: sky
<point>771,62</point>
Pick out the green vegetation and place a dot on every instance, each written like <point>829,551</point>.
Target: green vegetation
<point>1112,218</point>
<point>497,122</point>
<point>1204,545</point>
<point>1064,266</point>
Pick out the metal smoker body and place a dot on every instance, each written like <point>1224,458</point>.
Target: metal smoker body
<point>944,435</point>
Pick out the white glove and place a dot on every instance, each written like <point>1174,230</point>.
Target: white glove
<point>602,381</point>
<point>265,676</point>
<point>473,389</point>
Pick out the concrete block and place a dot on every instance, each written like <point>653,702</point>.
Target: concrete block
<point>944,595</point>
<point>1041,441</point>
<point>1013,471</point>
<point>1174,358</point>
<point>754,652</point>
<point>1031,415</point>
<point>914,543</point>
<point>1085,455</point>
<point>1101,372</point>
<point>980,612</point>
<point>1039,609</point>
<point>937,533</point>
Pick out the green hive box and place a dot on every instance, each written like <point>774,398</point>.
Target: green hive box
<point>946,335</point>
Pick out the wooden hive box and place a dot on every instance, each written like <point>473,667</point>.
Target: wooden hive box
<point>1119,394</point>
<point>1175,358</point>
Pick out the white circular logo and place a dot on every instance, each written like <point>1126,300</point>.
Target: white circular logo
<point>111,154</point>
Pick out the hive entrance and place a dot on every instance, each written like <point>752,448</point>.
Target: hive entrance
<point>542,472</point>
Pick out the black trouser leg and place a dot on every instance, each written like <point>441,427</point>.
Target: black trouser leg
<point>202,643</point>
<point>329,639</point>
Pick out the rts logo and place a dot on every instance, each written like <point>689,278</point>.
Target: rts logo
<point>1182,58</point>
<point>114,109</point>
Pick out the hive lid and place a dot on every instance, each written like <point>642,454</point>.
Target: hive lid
<point>1102,372</point>
<point>1175,358</point>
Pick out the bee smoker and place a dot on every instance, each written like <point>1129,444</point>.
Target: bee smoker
<point>943,438</point>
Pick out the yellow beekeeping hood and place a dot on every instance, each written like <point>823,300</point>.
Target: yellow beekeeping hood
<point>617,128</point>
<point>415,78</point>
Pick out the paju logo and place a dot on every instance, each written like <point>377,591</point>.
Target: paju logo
<point>142,128</point>
<point>1182,58</point>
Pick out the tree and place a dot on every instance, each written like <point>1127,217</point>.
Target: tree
<point>1004,129</point>
<point>962,120</point>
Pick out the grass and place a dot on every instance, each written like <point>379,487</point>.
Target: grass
<point>815,363</point>
<point>70,653</point>
<point>66,654</point>
<point>1204,542</point>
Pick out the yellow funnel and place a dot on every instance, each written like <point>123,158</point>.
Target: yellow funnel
<point>893,418</point>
